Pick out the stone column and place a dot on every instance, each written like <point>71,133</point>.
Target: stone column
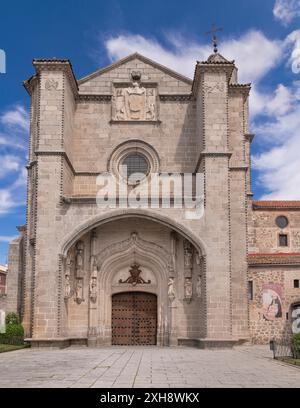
<point>212,99</point>
<point>55,96</point>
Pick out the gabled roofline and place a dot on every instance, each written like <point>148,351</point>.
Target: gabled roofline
<point>141,58</point>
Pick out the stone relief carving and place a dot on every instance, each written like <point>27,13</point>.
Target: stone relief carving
<point>188,289</point>
<point>51,84</point>
<point>198,258</point>
<point>199,286</point>
<point>217,88</point>
<point>134,103</point>
<point>135,241</point>
<point>173,238</point>
<point>171,289</point>
<point>79,291</point>
<point>79,260</point>
<point>69,263</point>
<point>188,254</point>
<point>135,278</point>
<point>93,285</point>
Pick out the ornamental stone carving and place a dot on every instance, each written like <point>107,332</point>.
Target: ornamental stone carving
<point>135,278</point>
<point>79,291</point>
<point>171,289</point>
<point>79,260</point>
<point>69,263</point>
<point>93,285</point>
<point>199,286</point>
<point>188,254</point>
<point>188,289</point>
<point>134,103</point>
<point>216,88</point>
<point>51,84</point>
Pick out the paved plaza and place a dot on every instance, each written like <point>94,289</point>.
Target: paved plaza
<point>82,367</point>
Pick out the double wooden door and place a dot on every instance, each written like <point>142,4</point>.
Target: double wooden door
<point>134,319</point>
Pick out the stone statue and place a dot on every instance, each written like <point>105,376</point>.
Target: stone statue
<point>120,105</point>
<point>188,254</point>
<point>171,289</point>
<point>67,286</point>
<point>199,286</point>
<point>93,285</point>
<point>69,263</point>
<point>79,260</point>
<point>198,258</point>
<point>79,291</point>
<point>188,289</point>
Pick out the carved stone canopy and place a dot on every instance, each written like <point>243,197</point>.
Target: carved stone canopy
<point>135,277</point>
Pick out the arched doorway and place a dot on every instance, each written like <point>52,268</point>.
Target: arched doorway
<point>134,319</point>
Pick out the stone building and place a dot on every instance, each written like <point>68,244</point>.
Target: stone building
<point>3,273</point>
<point>152,273</point>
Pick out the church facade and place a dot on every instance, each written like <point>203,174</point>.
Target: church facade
<point>153,274</point>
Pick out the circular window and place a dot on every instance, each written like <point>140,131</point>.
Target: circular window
<point>282,221</point>
<point>135,167</point>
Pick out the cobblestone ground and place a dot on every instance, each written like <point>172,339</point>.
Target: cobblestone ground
<point>250,366</point>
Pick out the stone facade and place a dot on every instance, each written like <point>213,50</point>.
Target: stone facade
<point>3,273</point>
<point>74,256</point>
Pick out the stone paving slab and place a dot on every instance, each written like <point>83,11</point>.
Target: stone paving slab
<point>144,367</point>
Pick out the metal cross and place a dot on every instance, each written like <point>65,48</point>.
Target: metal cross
<point>214,30</point>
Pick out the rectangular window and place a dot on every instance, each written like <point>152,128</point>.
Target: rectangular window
<point>296,283</point>
<point>250,290</point>
<point>283,240</point>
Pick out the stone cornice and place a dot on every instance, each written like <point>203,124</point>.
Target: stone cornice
<point>201,67</point>
<point>93,98</point>
<point>238,168</point>
<point>176,98</point>
<point>240,89</point>
<point>216,154</point>
<point>135,122</point>
<point>279,259</point>
<point>63,65</point>
<point>56,153</point>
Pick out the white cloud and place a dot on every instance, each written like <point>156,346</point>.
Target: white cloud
<point>8,164</point>
<point>14,127</point>
<point>286,10</point>
<point>6,201</point>
<point>16,118</point>
<point>279,165</point>
<point>255,56</point>
<point>4,238</point>
<point>254,53</point>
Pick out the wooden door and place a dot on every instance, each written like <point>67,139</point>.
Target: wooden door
<point>134,319</point>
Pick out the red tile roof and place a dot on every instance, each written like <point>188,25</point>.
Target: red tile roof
<point>274,205</point>
<point>279,258</point>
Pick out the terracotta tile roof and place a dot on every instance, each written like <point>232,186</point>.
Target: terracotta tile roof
<point>274,205</point>
<point>279,258</point>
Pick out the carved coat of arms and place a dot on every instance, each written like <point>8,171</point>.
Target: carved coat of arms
<point>135,103</point>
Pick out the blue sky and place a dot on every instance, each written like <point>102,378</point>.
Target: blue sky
<point>262,36</point>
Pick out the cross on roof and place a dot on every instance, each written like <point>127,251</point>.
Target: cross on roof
<point>214,30</point>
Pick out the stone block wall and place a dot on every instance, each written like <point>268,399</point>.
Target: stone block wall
<point>263,330</point>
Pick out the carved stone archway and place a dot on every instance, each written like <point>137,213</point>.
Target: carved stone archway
<point>114,258</point>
